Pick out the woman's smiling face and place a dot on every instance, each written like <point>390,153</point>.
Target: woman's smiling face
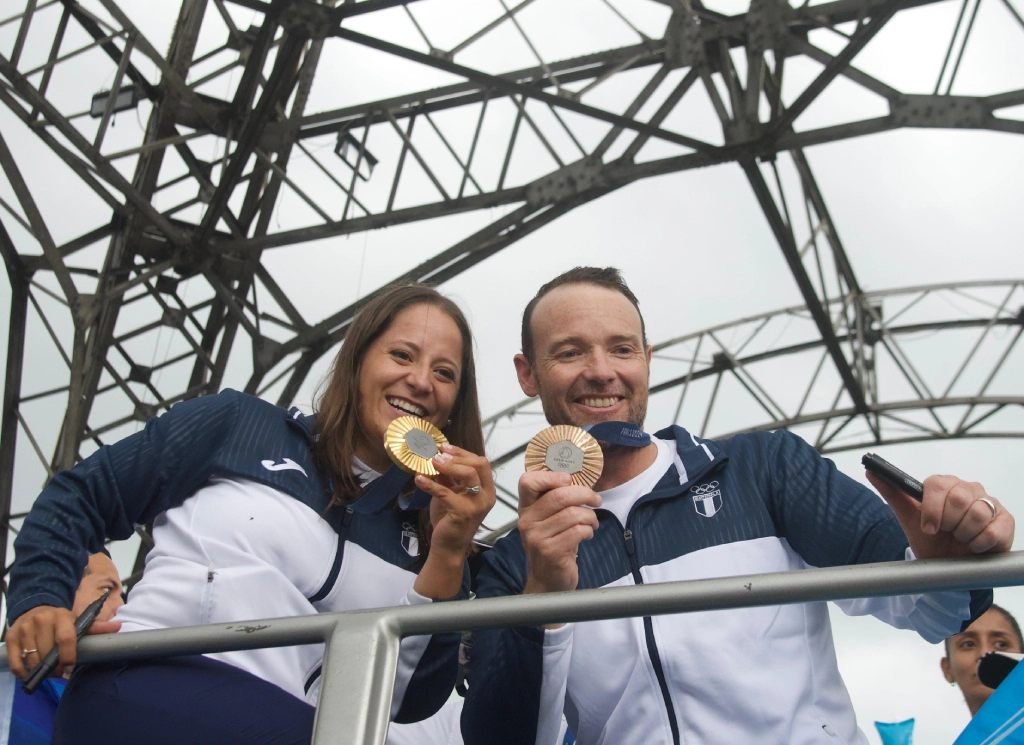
<point>414,367</point>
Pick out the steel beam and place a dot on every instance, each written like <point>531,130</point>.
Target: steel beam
<point>784,236</point>
<point>121,251</point>
<point>512,88</point>
<point>19,283</point>
<point>880,15</point>
<point>617,172</point>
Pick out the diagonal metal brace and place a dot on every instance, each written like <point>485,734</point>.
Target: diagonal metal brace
<point>814,304</point>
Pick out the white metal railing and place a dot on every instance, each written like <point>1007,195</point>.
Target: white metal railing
<point>355,697</point>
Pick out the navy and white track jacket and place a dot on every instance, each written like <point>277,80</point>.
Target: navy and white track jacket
<point>751,504</point>
<point>242,531</point>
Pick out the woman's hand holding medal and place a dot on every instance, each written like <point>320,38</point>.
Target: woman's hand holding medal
<point>463,494</point>
<point>462,490</point>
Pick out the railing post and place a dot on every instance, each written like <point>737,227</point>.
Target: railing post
<point>357,681</point>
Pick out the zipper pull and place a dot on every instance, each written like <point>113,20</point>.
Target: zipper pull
<point>627,534</point>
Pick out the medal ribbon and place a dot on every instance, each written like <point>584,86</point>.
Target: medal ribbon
<point>619,433</point>
<point>386,488</point>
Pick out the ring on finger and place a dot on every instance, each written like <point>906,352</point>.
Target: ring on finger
<point>473,489</point>
<point>27,652</point>
<point>992,506</point>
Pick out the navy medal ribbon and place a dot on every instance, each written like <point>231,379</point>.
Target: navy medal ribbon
<point>619,433</point>
<point>385,488</point>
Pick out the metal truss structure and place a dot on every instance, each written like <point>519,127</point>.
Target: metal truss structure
<point>175,255</point>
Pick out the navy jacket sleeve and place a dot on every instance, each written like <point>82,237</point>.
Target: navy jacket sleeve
<point>829,518</point>
<point>506,666</point>
<point>110,492</point>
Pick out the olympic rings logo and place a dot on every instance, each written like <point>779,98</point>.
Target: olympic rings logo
<point>704,488</point>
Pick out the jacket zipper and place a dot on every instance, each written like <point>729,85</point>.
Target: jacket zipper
<point>652,647</point>
<point>332,577</point>
<point>627,536</point>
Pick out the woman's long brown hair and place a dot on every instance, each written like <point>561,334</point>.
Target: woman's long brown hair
<point>337,404</point>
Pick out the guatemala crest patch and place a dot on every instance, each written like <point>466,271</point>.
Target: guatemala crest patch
<point>410,541</point>
<point>707,498</point>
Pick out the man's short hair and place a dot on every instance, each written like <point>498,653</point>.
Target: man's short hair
<point>608,277</point>
<point>103,551</point>
<point>1009,619</point>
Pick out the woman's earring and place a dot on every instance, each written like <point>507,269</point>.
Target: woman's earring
<point>448,423</point>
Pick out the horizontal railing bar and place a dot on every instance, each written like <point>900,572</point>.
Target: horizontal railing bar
<point>780,588</point>
<point>753,590</point>
<point>206,639</point>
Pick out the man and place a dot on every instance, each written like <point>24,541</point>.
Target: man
<point>683,508</point>
<point>100,576</point>
<point>995,631</point>
<point>28,720</point>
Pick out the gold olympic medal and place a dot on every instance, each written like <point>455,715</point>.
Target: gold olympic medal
<point>412,443</point>
<point>566,449</point>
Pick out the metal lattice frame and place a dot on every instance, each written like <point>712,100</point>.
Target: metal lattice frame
<point>175,255</point>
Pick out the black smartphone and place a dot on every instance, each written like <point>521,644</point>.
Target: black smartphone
<point>893,476</point>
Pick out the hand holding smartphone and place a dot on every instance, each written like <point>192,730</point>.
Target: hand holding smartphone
<point>893,476</point>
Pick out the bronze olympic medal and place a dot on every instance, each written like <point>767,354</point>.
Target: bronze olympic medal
<point>566,449</point>
<point>412,443</point>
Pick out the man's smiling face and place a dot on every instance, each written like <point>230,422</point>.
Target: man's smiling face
<point>589,360</point>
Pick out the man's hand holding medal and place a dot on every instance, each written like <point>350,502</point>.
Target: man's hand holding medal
<point>556,504</point>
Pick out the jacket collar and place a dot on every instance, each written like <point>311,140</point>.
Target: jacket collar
<point>300,422</point>
<point>694,457</point>
<point>381,491</point>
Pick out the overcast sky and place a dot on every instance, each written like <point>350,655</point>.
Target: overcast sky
<point>912,207</point>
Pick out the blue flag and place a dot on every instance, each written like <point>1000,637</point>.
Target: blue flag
<point>1001,719</point>
<point>896,733</point>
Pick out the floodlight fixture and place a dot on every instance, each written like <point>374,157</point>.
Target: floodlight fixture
<point>363,161</point>
<point>127,98</point>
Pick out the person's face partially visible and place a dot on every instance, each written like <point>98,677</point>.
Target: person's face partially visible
<point>991,632</point>
<point>100,575</point>
<point>590,363</point>
<point>414,367</point>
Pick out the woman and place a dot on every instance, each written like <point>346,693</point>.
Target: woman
<point>260,513</point>
<point>995,630</point>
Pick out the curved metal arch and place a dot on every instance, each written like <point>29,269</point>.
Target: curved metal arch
<point>781,369</point>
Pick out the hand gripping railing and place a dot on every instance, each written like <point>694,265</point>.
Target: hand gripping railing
<point>362,646</point>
